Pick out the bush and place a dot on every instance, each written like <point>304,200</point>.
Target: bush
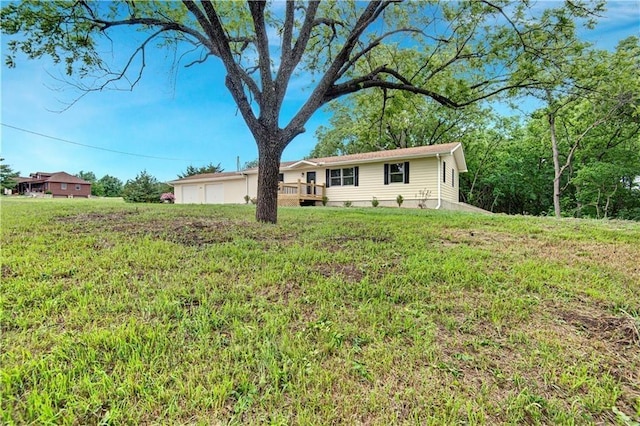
<point>375,202</point>
<point>168,197</point>
<point>247,199</point>
<point>325,200</point>
<point>347,204</point>
<point>399,200</point>
<point>144,189</point>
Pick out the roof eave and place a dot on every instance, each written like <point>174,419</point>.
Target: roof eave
<point>458,154</point>
<point>206,179</point>
<point>384,159</point>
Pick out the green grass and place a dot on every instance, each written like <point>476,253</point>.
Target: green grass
<point>114,313</point>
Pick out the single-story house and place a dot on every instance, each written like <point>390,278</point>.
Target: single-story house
<point>426,176</point>
<point>58,184</point>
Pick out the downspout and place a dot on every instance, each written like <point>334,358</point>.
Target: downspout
<point>439,182</point>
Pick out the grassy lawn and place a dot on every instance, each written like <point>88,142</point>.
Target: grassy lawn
<point>115,313</point>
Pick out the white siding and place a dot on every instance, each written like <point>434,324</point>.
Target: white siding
<point>449,192</point>
<point>422,177</point>
<point>235,190</point>
<point>252,185</point>
<point>425,177</point>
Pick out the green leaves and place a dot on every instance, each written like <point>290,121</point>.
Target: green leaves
<point>144,189</point>
<point>209,168</point>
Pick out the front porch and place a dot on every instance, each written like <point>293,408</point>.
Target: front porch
<point>293,194</point>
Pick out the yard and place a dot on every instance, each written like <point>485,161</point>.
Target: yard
<point>119,313</point>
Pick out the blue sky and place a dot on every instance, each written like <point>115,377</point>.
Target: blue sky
<point>187,119</point>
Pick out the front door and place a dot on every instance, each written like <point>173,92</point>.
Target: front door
<point>311,177</point>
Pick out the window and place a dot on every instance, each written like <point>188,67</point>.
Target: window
<point>342,177</point>
<point>396,173</point>
<point>63,186</point>
<point>77,187</point>
<point>280,177</point>
<point>453,176</point>
<point>444,171</point>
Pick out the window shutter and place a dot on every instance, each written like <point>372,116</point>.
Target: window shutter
<point>356,175</point>
<point>386,174</point>
<point>406,172</point>
<point>444,171</point>
<point>327,178</point>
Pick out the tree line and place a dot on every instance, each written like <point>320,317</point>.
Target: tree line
<point>576,154</point>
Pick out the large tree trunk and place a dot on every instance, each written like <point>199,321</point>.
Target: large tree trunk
<point>556,165</point>
<point>269,153</point>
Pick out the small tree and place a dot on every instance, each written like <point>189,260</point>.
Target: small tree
<point>7,176</point>
<point>111,186</point>
<point>97,190</point>
<point>399,200</point>
<point>143,189</point>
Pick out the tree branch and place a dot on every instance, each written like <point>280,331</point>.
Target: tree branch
<point>317,98</point>
<point>236,76</point>
<point>290,61</point>
<point>264,60</point>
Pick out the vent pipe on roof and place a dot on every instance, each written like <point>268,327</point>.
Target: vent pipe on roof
<point>238,163</point>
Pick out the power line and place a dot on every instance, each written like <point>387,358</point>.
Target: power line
<point>92,146</point>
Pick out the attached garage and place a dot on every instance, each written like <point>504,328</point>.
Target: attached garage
<point>215,188</point>
<point>190,194</point>
<point>214,193</point>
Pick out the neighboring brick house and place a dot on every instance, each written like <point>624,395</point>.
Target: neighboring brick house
<point>58,184</point>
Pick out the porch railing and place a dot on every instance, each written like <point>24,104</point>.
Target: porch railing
<point>301,190</point>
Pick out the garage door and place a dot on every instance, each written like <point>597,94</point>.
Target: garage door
<point>190,194</point>
<point>214,194</point>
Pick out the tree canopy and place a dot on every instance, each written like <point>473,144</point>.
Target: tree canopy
<point>144,189</point>
<point>209,168</point>
<point>7,176</point>
<point>455,53</point>
<point>594,104</point>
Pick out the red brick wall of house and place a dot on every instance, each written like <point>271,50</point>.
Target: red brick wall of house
<point>57,190</point>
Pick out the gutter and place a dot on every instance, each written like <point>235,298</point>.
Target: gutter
<point>439,182</point>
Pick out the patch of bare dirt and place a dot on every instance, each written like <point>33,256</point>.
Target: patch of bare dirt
<point>620,330</point>
<point>7,272</point>
<point>348,272</point>
<point>281,292</point>
<point>185,231</point>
